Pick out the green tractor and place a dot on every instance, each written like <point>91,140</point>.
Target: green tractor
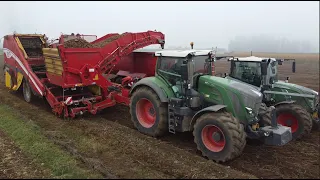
<point>296,106</point>
<point>184,96</point>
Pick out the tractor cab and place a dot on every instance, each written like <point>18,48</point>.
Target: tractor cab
<point>182,69</point>
<point>257,71</point>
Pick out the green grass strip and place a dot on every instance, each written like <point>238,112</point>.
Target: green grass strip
<point>30,140</point>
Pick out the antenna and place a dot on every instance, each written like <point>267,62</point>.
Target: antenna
<point>215,52</point>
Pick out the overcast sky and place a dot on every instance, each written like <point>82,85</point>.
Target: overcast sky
<point>207,24</point>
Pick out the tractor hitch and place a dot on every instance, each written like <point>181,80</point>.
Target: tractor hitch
<point>276,134</point>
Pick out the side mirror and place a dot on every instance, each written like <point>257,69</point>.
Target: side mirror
<point>293,66</point>
<point>264,68</point>
<point>184,72</point>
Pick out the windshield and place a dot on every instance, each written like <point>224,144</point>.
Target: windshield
<point>249,72</point>
<point>201,66</point>
<point>173,64</point>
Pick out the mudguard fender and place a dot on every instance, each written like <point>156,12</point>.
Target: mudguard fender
<point>284,102</point>
<point>214,108</point>
<point>146,82</point>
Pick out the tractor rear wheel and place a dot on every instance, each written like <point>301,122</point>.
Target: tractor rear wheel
<point>27,92</point>
<point>219,136</point>
<point>148,114</point>
<point>296,117</point>
<point>264,115</point>
<point>315,121</point>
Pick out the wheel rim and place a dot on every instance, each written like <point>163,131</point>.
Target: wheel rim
<point>146,113</point>
<point>289,120</point>
<point>213,138</point>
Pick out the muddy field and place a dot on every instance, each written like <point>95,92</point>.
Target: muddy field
<point>109,142</point>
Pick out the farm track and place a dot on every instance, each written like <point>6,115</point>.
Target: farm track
<point>299,159</point>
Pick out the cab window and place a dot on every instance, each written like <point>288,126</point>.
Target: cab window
<point>249,72</point>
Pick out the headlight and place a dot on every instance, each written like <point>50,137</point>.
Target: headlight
<point>249,111</point>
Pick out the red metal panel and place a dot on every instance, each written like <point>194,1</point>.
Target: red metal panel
<point>145,63</point>
<point>14,57</point>
<point>78,61</point>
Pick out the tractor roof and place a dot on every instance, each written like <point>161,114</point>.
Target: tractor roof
<point>182,53</point>
<point>174,53</point>
<point>252,59</point>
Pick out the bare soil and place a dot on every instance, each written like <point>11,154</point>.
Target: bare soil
<point>14,164</point>
<point>117,145</point>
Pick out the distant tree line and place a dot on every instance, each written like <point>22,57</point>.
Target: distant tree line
<point>271,44</point>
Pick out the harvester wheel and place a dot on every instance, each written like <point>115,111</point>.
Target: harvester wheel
<point>264,115</point>
<point>148,114</point>
<point>296,117</point>
<point>27,92</point>
<point>219,136</point>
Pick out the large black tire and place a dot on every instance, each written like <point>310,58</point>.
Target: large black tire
<point>301,121</point>
<point>155,121</point>
<point>264,115</point>
<point>315,123</point>
<point>228,127</point>
<point>27,92</point>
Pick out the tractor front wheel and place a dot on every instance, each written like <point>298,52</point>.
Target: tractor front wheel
<point>27,92</point>
<point>148,114</point>
<point>264,115</point>
<point>296,117</point>
<point>219,136</point>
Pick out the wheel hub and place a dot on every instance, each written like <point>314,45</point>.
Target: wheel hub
<point>288,119</point>
<point>151,111</point>
<point>289,122</point>
<point>213,138</point>
<point>216,136</point>
<point>146,113</point>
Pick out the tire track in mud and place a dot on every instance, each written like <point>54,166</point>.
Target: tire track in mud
<point>121,150</point>
<point>298,159</point>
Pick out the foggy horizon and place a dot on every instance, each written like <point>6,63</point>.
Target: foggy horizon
<point>295,25</point>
